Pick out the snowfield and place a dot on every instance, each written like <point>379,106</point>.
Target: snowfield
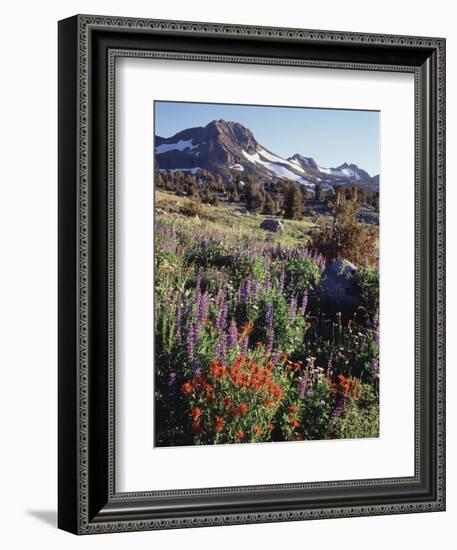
<point>181,145</point>
<point>278,166</point>
<point>193,171</point>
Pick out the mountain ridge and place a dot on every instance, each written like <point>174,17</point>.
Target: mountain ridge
<point>224,147</point>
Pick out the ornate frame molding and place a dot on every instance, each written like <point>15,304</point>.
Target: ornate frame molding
<point>78,515</point>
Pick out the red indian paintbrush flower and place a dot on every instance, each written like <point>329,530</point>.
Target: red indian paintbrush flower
<point>243,408</point>
<point>219,424</point>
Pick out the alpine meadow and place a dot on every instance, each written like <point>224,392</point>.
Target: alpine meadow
<point>266,274</point>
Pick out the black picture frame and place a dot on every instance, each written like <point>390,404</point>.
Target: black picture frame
<point>88,502</point>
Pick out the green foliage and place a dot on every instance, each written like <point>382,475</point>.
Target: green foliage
<point>265,344</point>
<point>317,406</point>
<point>302,275</point>
<point>319,192</point>
<point>293,202</point>
<point>254,197</point>
<point>357,422</point>
<point>270,206</point>
<point>247,266</point>
<point>367,281</point>
<point>288,333</point>
<point>208,197</point>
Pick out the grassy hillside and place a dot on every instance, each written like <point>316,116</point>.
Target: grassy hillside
<point>227,219</point>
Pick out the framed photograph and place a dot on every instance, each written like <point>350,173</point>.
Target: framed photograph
<point>251,274</point>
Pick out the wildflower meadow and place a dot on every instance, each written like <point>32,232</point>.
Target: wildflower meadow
<point>245,350</point>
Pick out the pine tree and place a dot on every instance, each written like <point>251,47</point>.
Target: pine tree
<point>319,192</point>
<point>254,197</point>
<point>293,202</point>
<point>269,206</point>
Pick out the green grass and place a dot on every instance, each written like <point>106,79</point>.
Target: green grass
<point>225,219</point>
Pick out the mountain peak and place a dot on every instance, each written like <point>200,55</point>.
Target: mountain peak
<point>220,123</point>
<point>304,162</point>
<point>223,124</point>
<point>221,145</point>
<point>347,166</point>
<point>351,171</point>
<point>232,135</point>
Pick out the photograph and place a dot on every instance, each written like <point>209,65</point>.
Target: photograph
<point>266,273</point>
<point>251,272</point>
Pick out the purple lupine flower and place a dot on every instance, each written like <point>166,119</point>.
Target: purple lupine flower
<point>319,261</point>
<point>304,303</point>
<point>190,342</point>
<point>340,407</point>
<point>302,383</point>
<point>202,311</point>
<point>269,315</point>
<point>282,280</point>
<point>221,348</point>
<point>245,345</point>
<point>255,290</point>
<point>246,290</point>
<point>293,308</point>
<point>196,370</point>
<point>224,314</point>
<point>220,298</point>
<point>238,295</point>
<point>233,335</point>
<point>275,358</point>
<point>195,333</point>
<point>270,330</point>
<point>222,306</point>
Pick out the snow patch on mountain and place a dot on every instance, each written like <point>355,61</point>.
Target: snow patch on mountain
<point>274,158</point>
<point>193,171</point>
<point>351,173</point>
<point>303,162</point>
<point>181,145</point>
<point>325,170</point>
<point>278,169</point>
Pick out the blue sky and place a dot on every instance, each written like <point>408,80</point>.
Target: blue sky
<point>330,136</point>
